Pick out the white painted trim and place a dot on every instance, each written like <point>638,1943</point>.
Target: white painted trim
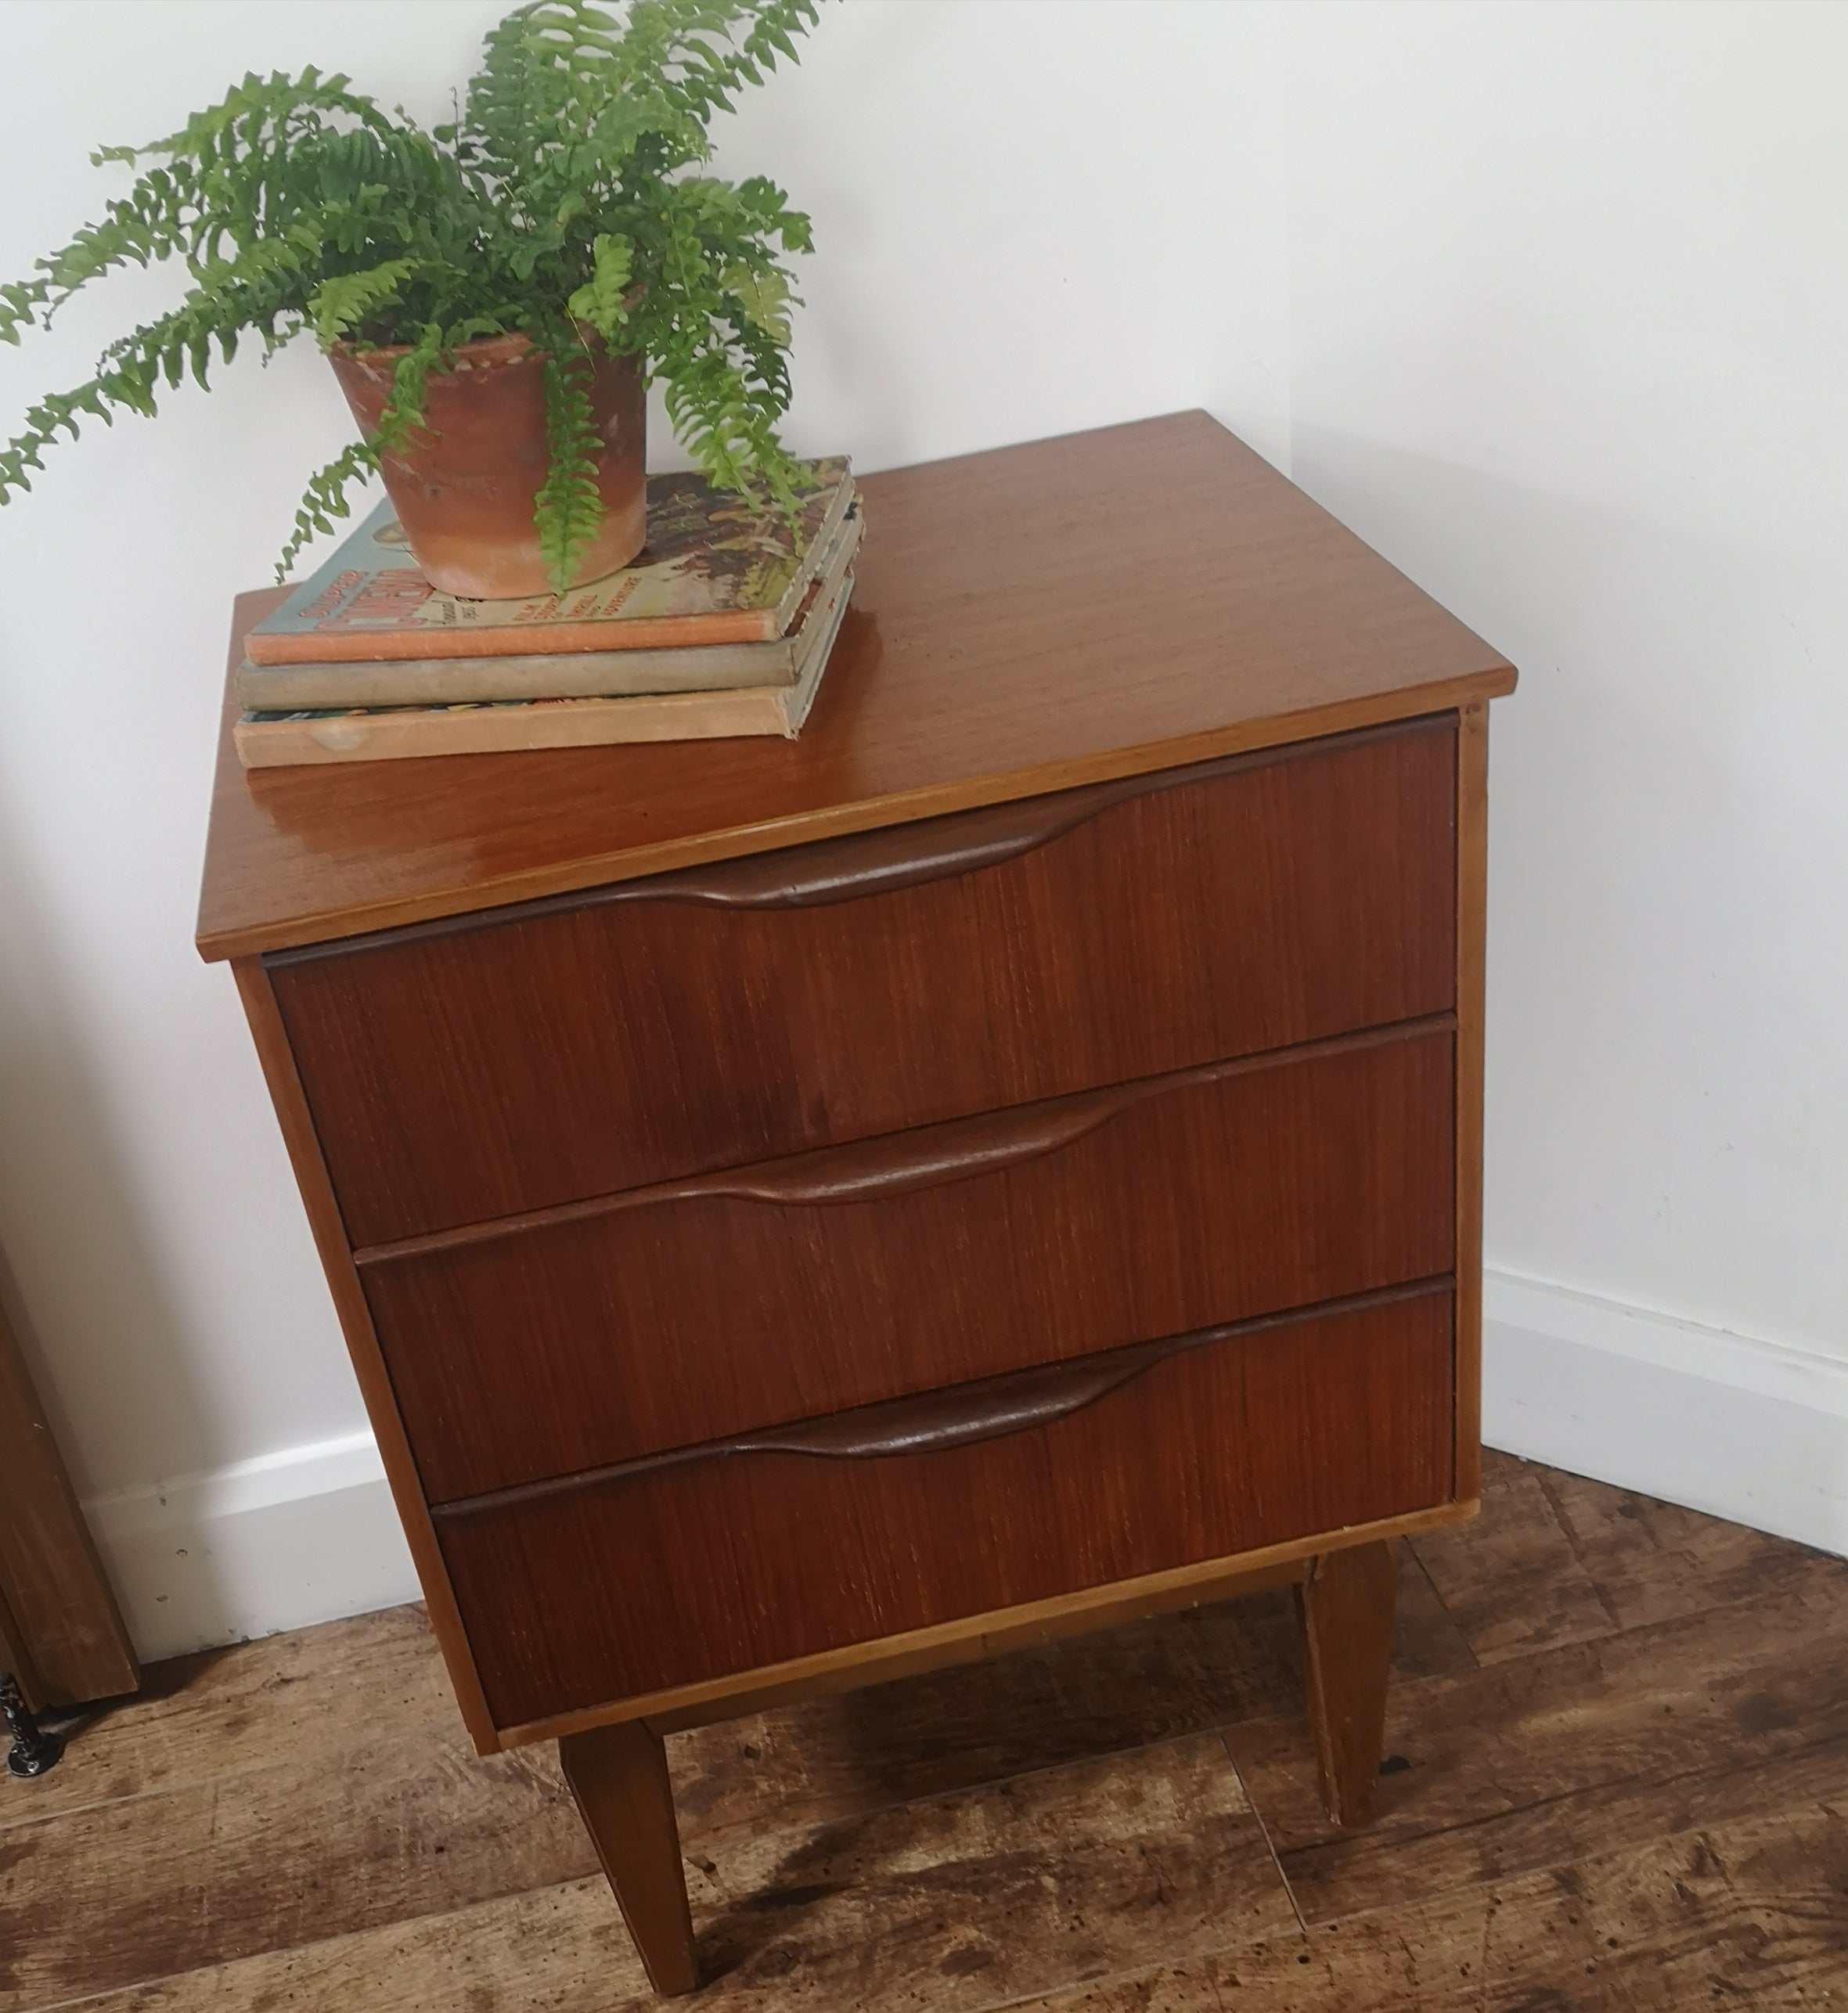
<point>1738,1426</point>
<point>299,1535</point>
<point>1729,1423</point>
<point>317,1468</point>
<point>1746,1363</point>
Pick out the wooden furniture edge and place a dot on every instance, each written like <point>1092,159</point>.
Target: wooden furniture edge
<point>868,814</point>
<point>1344,1609</point>
<point>362,1344</point>
<point>971,1638</point>
<point>62,1634</point>
<point>993,1643</point>
<point>618,1779</point>
<point>1472,878</point>
<point>882,859</point>
<point>16,1660</point>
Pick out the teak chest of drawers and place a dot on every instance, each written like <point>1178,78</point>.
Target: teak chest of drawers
<point>1006,1162</point>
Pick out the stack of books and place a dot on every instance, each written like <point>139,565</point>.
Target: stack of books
<point>721,626</point>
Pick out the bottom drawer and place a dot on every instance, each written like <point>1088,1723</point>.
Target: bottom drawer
<point>725,1558</point>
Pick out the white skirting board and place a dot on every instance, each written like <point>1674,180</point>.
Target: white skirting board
<point>1741,1428</point>
<point>291,1538</point>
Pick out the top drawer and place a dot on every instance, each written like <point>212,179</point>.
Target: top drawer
<point>575,1047</point>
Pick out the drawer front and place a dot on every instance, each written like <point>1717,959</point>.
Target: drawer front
<point>700,1309</point>
<point>711,1566</point>
<point>727,1015</point>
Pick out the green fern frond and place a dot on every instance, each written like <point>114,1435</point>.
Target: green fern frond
<point>325,500</point>
<point>234,294</point>
<point>599,302</point>
<point>766,298</point>
<point>404,410</point>
<point>568,507</point>
<point>570,192</point>
<point>341,302</point>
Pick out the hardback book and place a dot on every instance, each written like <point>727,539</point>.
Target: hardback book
<point>285,688</point>
<point>275,741</point>
<point>715,570</point>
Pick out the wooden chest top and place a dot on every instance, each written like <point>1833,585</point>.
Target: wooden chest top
<point>1099,605</point>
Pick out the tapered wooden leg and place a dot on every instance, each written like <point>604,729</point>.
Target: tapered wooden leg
<point>1346,1607</point>
<point>619,1776</point>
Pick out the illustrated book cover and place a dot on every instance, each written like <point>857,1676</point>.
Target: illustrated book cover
<point>288,688</point>
<point>715,570</point>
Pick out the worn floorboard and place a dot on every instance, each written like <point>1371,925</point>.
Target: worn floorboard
<point>113,1893</point>
<point>288,1698</point>
<point>1753,1913</point>
<point>1518,1541</point>
<point>1617,1777</point>
<point>1129,1687</point>
<point>1469,1760</point>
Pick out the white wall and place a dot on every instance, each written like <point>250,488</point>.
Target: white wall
<point>1548,302</point>
<point>1569,298</point>
<point>1569,302</point>
<point>993,266</point>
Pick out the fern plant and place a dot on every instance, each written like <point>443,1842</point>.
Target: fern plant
<point>566,201</point>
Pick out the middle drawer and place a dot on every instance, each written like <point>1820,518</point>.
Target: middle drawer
<point>711,1306</point>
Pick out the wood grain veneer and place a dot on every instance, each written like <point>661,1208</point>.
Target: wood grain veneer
<point>1104,604</point>
<point>931,1257</point>
<point>618,1778</point>
<point>1344,1604</point>
<point>362,1347</point>
<point>1472,914</point>
<point>718,1567</point>
<point>976,1638</point>
<point>62,1635</point>
<point>956,1415</point>
<point>1033,1625</point>
<point>1008,1160</point>
<point>727,1014</point>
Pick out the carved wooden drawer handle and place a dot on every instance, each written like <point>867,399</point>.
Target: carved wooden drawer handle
<point>933,1421</point>
<point>940,848</point>
<point>927,1423</point>
<point>959,1416</point>
<point>894,1164</point>
<point>960,1149</point>
<point>903,1163</point>
<point>865,863</point>
<point>899,856</point>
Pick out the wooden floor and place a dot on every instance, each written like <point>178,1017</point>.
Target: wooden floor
<point>1617,1777</point>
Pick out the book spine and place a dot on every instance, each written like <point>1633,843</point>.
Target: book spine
<point>295,688</point>
<point>569,723</point>
<point>795,700</point>
<point>757,625</point>
<point>827,535</point>
<point>674,716</point>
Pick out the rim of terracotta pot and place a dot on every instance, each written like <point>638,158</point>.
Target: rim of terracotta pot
<point>482,352</point>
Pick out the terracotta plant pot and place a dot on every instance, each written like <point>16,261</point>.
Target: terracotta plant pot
<point>464,486</point>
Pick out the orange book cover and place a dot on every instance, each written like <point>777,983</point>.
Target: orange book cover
<point>715,570</point>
